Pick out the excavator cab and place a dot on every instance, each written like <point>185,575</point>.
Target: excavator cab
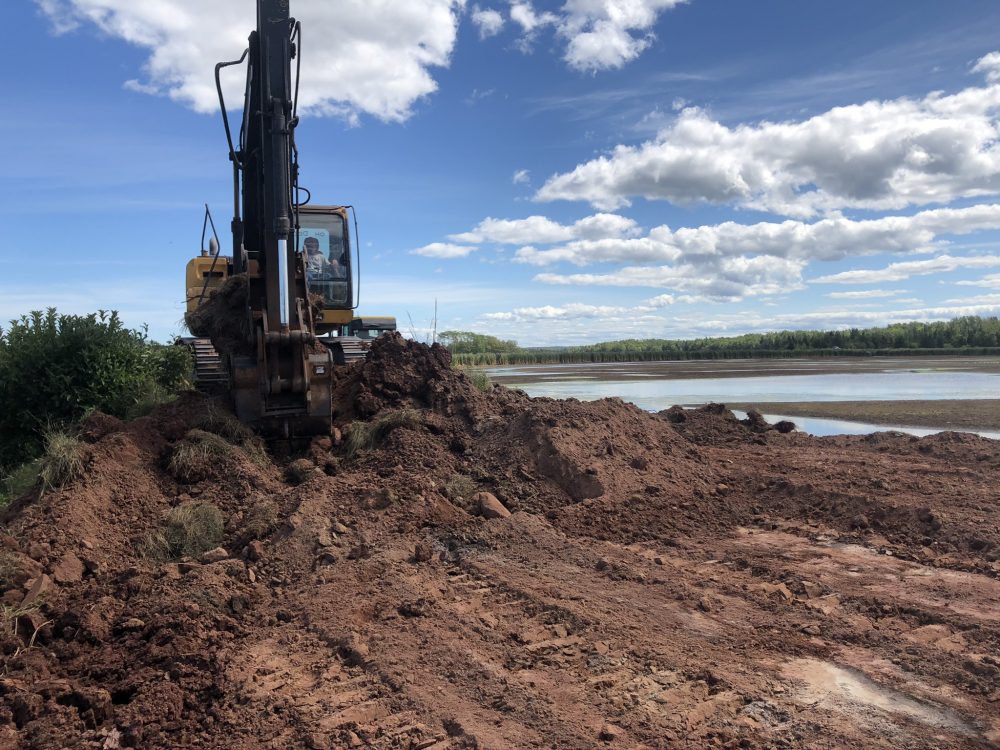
<point>325,243</point>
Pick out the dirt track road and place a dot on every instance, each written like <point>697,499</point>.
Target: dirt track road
<point>664,581</point>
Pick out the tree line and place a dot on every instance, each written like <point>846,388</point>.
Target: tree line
<point>964,335</point>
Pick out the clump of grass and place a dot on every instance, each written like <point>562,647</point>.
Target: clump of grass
<point>62,461</point>
<point>18,482</point>
<point>459,489</point>
<point>259,520</point>
<point>191,529</point>
<point>194,457</point>
<point>227,426</point>
<point>480,379</point>
<point>299,470</point>
<point>365,436</point>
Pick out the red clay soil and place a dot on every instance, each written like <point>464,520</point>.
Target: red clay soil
<point>646,581</point>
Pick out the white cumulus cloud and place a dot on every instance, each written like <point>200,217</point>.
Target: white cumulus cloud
<point>487,20</point>
<point>599,34</point>
<point>359,57</point>
<point>868,294</point>
<point>829,239</point>
<point>543,230</point>
<point>879,155</point>
<point>443,250</point>
<point>907,269</point>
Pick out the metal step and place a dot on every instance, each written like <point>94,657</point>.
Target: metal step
<point>210,374</point>
<point>346,349</point>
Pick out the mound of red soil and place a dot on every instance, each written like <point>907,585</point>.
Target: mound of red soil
<point>674,580</point>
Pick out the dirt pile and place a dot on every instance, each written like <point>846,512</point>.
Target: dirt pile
<point>223,317</point>
<point>466,569</point>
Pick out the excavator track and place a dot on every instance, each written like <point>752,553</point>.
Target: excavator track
<point>210,374</point>
<point>346,349</point>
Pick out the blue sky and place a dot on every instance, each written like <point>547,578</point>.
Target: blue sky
<point>552,172</point>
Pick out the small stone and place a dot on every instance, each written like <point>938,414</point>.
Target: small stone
<point>86,545</point>
<point>325,557</point>
<point>69,569</point>
<point>489,506</point>
<point>251,575</point>
<point>214,555</point>
<point>318,741</point>
<point>41,586</point>
<point>353,740</point>
<point>422,552</point>
<point>187,567</point>
<point>603,564</point>
<point>255,550</point>
<point>339,528</point>
<point>812,630</point>
<point>811,589</point>
<point>859,521</point>
<point>705,604</point>
<point>133,623</point>
<point>354,651</point>
<point>658,560</point>
<point>610,733</point>
<point>324,539</point>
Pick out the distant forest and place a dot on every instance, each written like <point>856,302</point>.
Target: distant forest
<point>966,335</point>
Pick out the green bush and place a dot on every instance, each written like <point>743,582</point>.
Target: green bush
<point>55,368</point>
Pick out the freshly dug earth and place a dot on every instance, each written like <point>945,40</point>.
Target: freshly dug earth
<point>662,581</point>
<point>223,317</point>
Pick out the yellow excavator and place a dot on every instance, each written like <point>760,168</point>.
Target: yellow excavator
<point>290,283</point>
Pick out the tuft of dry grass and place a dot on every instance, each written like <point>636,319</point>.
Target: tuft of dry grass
<point>365,436</point>
<point>194,457</point>
<point>226,425</point>
<point>460,488</point>
<point>62,461</point>
<point>299,470</point>
<point>191,529</point>
<point>259,520</point>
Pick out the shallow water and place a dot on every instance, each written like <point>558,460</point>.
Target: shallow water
<point>660,393</point>
<point>656,393</point>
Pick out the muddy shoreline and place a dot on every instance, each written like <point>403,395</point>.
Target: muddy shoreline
<point>737,368</point>
<point>949,414</point>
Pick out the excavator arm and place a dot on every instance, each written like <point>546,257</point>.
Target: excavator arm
<point>282,383</point>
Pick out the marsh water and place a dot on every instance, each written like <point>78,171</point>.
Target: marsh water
<point>659,385</point>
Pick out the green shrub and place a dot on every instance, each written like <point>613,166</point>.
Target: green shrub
<point>480,379</point>
<point>364,436</point>
<point>55,368</point>
<point>18,482</point>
